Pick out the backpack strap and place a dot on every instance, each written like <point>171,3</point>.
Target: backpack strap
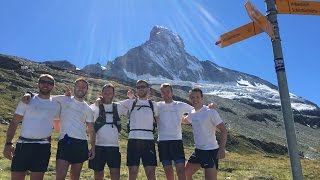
<point>154,118</point>
<point>140,106</point>
<point>116,118</point>
<point>101,120</point>
<point>132,108</point>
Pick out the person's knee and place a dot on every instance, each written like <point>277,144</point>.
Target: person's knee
<point>133,170</point>
<point>150,172</point>
<point>115,173</point>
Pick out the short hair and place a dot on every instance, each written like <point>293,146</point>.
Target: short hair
<point>196,90</point>
<point>47,76</point>
<point>164,85</point>
<point>83,80</point>
<point>109,85</point>
<point>144,81</point>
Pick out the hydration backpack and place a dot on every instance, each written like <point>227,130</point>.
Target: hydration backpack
<point>139,107</point>
<point>101,120</point>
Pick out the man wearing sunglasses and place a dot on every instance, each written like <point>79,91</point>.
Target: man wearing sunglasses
<point>141,132</point>
<point>32,151</point>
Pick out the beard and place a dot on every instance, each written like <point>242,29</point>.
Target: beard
<point>44,92</point>
<point>142,94</point>
<point>80,94</point>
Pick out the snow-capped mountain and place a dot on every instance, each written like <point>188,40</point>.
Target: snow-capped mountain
<point>163,58</point>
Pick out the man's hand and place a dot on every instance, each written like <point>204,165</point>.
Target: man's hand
<point>92,153</point>
<point>8,151</point>
<point>67,91</point>
<point>99,101</point>
<point>221,153</point>
<point>212,105</point>
<point>130,93</point>
<point>26,98</point>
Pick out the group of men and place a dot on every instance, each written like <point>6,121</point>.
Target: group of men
<point>103,128</point>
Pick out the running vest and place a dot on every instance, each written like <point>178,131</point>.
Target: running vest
<point>101,120</point>
<point>140,106</point>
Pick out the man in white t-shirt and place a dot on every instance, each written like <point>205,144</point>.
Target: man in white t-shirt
<point>32,151</point>
<point>170,145</point>
<point>141,132</point>
<point>207,150</point>
<point>72,146</point>
<point>107,135</point>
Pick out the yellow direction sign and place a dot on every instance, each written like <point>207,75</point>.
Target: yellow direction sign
<point>238,34</point>
<point>298,7</point>
<point>260,19</point>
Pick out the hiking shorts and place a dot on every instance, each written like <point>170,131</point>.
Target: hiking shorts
<point>31,156</point>
<point>72,150</point>
<point>206,158</point>
<point>105,155</point>
<point>171,150</point>
<point>141,149</point>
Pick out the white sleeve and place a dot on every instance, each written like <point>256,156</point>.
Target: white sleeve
<point>57,116</point>
<point>95,110</point>
<point>89,115</point>
<point>21,108</point>
<point>59,98</point>
<point>186,108</point>
<point>155,108</point>
<point>122,110</point>
<point>215,117</point>
<point>127,103</point>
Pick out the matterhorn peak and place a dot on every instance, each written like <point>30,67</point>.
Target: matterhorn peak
<point>166,37</point>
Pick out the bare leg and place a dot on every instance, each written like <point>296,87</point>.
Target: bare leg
<point>169,172</point>
<point>115,173</point>
<point>98,175</point>
<point>191,169</point>
<point>36,175</point>
<point>150,172</point>
<point>18,175</point>
<point>180,171</point>
<point>133,172</point>
<point>75,171</point>
<point>211,173</point>
<point>62,167</point>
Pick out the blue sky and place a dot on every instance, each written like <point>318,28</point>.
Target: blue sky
<point>91,31</point>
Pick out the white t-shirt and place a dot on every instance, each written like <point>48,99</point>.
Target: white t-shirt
<point>73,117</point>
<point>108,135</point>
<point>141,118</point>
<point>204,122</point>
<point>38,118</point>
<point>170,116</point>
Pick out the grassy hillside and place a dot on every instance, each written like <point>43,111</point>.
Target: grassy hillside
<point>247,163</point>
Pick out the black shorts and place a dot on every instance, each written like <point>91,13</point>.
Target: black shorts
<point>141,148</point>
<point>31,156</point>
<point>72,150</point>
<point>105,155</point>
<point>171,150</point>
<point>206,158</point>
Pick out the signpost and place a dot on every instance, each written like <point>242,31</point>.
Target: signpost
<point>270,26</point>
<point>298,7</point>
<point>260,19</point>
<point>238,34</point>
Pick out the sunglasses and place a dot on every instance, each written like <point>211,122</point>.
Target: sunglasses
<point>46,82</point>
<point>141,87</point>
